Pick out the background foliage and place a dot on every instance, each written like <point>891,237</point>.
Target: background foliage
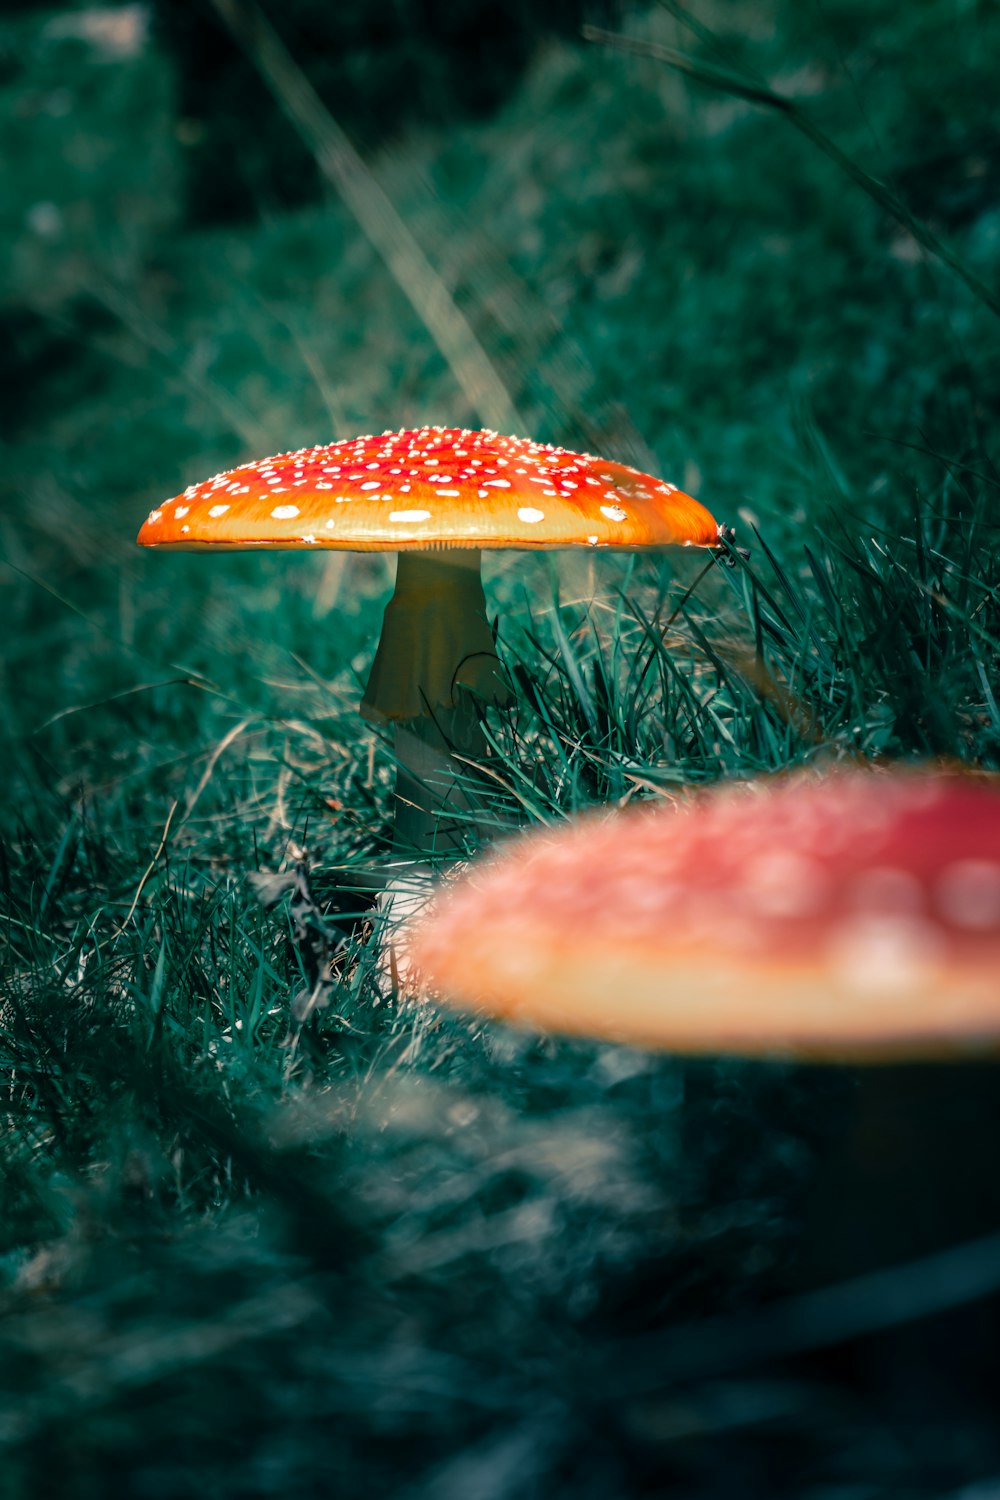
<point>407,1254</point>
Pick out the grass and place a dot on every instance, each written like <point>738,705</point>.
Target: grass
<point>395,1251</point>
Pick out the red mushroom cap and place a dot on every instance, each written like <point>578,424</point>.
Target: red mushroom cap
<point>432,487</point>
<point>851,915</point>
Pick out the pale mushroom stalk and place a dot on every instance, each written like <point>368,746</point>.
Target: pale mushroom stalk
<point>434,670</point>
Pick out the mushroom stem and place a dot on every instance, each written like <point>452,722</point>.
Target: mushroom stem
<point>434,658</point>
<point>433,796</point>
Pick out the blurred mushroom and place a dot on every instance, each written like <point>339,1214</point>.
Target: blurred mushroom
<point>843,917</point>
<point>437,496</point>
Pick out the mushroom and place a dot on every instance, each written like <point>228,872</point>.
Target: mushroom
<point>437,496</point>
<point>849,916</point>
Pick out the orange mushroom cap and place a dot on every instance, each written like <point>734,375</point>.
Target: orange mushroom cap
<point>847,916</point>
<point>427,488</point>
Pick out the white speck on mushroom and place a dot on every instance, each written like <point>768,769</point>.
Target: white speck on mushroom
<point>181,510</point>
<point>309,538</point>
<point>218,510</point>
<point>528,513</point>
<point>329,524</point>
<point>968,893</point>
<point>451,494</point>
<point>370,484</point>
<point>782,884</point>
<point>592,541</point>
<point>185,529</point>
<point>498,484</point>
<point>884,956</point>
<point>614,513</point>
<point>409,515</point>
<point>284,512</point>
<point>154,515</point>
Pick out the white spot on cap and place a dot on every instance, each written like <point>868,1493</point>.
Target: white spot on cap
<point>154,515</point>
<point>284,512</point>
<point>217,511</point>
<point>614,513</point>
<point>782,884</point>
<point>309,538</point>
<point>968,893</point>
<point>499,484</point>
<point>181,510</point>
<point>451,494</point>
<point>370,484</point>
<point>409,515</point>
<point>884,956</point>
<point>530,514</point>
